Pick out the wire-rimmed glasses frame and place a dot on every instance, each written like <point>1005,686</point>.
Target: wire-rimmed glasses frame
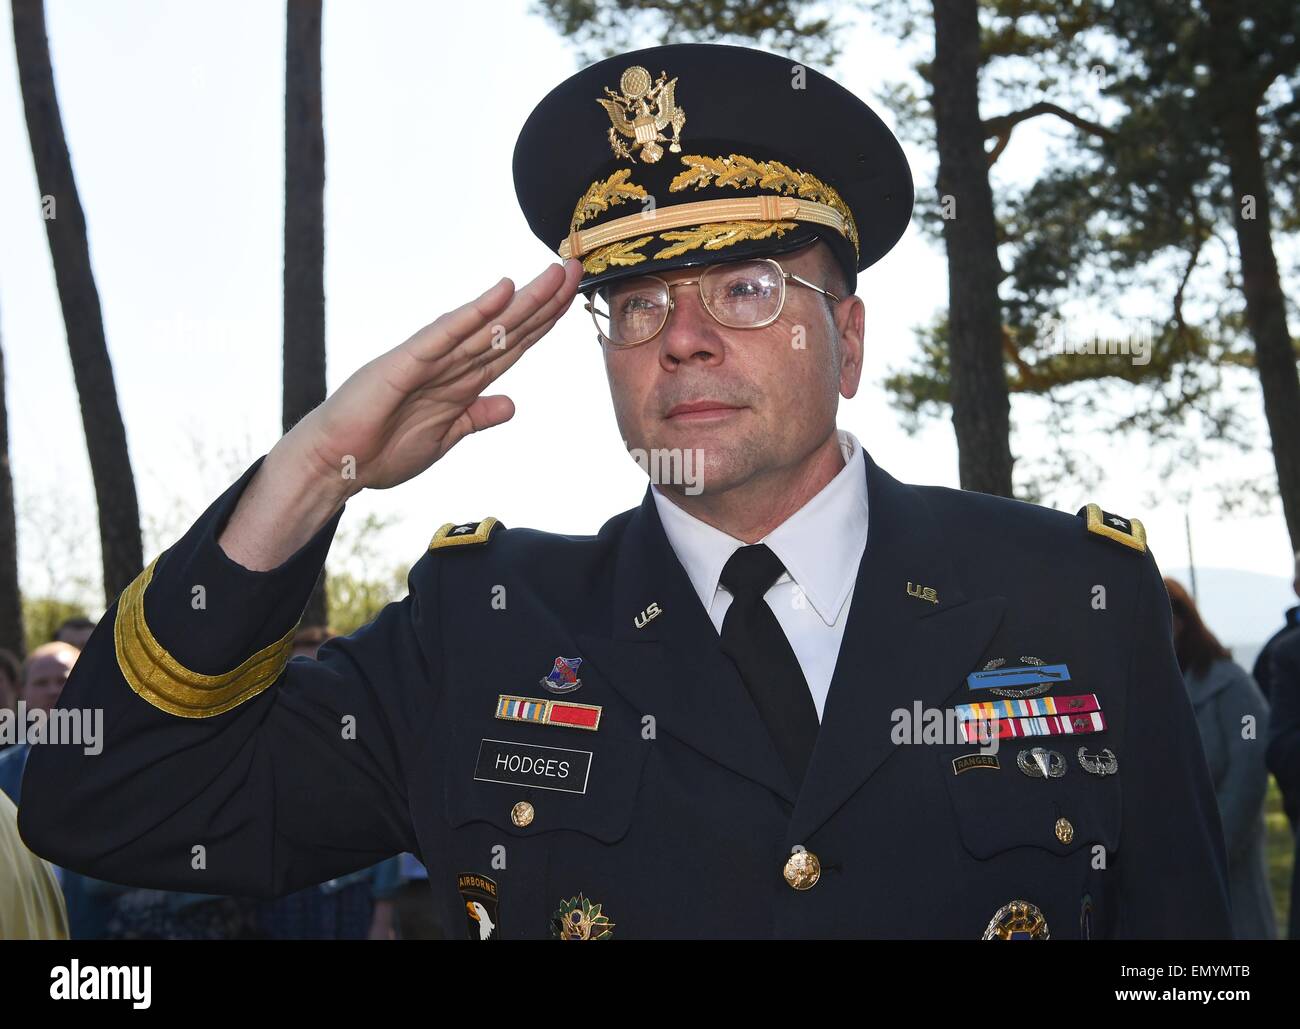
<point>709,272</point>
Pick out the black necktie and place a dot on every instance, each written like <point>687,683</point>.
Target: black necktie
<point>752,638</point>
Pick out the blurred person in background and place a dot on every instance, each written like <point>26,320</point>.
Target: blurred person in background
<point>1283,756</point>
<point>41,681</point>
<point>1264,675</point>
<point>98,909</point>
<point>1263,670</point>
<point>31,903</point>
<point>75,630</point>
<point>10,676</point>
<point>1232,716</point>
<point>412,902</point>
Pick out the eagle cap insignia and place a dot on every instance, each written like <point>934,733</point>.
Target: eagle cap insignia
<point>641,111</point>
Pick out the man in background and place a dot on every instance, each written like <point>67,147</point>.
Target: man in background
<point>1263,671</point>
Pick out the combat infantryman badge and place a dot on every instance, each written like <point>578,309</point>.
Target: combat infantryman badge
<point>580,919</point>
<point>1018,920</point>
<point>1036,677</point>
<point>480,896</point>
<point>563,678</point>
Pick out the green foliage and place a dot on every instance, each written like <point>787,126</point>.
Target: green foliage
<point>43,615</point>
<point>354,601</point>
<point>356,590</point>
<point>601,28</point>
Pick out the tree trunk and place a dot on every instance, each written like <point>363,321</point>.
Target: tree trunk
<point>981,409</point>
<point>65,225</point>
<point>304,232</point>
<point>12,636</point>
<point>1237,118</point>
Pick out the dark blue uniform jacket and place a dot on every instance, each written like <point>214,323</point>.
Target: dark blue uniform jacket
<point>676,814</point>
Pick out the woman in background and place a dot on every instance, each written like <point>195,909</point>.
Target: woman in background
<point>1232,716</point>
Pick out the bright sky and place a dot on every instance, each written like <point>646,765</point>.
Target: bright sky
<point>174,116</point>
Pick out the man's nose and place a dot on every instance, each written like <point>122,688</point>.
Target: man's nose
<point>690,333</point>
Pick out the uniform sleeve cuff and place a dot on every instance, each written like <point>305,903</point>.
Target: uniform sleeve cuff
<point>211,612</point>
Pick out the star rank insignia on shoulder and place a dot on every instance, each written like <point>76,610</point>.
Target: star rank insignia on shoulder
<point>453,535</point>
<point>1128,531</point>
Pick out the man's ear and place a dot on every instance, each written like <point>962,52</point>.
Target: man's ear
<point>850,327</point>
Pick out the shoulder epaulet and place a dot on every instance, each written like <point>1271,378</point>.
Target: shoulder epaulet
<point>1128,531</point>
<point>453,535</point>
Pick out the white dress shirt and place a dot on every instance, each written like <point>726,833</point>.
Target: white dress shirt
<point>821,546</point>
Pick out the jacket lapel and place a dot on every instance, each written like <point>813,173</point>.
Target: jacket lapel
<point>673,668</point>
<point>898,650</point>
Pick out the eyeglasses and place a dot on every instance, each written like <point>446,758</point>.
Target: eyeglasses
<point>737,294</point>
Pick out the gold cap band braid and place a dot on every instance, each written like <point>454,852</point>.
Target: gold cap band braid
<point>761,208</point>
<point>168,685</point>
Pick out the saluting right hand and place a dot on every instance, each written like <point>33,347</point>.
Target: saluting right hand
<point>398,414</point>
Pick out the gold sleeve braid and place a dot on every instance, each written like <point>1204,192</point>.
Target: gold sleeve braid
<point>167,684</point>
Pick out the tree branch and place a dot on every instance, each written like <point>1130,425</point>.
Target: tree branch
<point>1002,126</point>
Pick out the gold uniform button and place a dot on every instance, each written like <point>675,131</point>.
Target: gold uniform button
<point>802,870</point>
<point>1064,830</point>
<point>522,814</point>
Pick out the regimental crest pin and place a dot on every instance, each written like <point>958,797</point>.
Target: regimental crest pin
<point>640,112</point>
<point>580,919</point>
<point>563,678</point>
<point>482,917</point>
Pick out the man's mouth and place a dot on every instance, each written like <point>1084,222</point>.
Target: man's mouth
<point>699,410</point>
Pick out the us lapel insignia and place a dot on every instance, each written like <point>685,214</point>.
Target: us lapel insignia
<point>1032,677</point>
<point>926,593</point>
<point>1104,763</point>
<point>563,678</point>
<point>480,896</point>
<point>580,919</point>
<point>1017,920</point>
<point>548,712</point>
<point>647,616</point>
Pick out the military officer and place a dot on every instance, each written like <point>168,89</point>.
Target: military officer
<point>786,696</point>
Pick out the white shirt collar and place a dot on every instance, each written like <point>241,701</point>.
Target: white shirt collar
<point>819,544</point>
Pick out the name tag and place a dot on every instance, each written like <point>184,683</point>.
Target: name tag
<point>524,764</point>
